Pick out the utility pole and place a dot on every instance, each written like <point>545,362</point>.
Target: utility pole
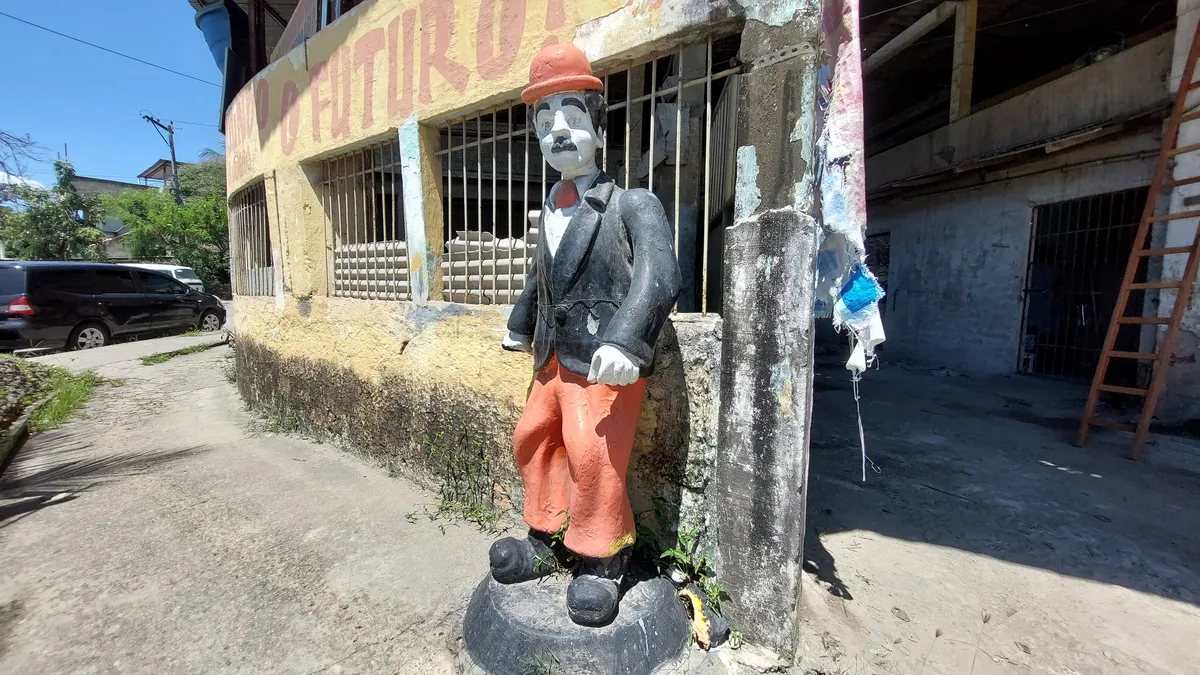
<point>169,139</point>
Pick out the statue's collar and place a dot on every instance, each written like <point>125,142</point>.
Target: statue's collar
<point>600,192</point>
<point>597,194</point>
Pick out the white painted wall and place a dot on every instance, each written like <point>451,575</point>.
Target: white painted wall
<point>1180,400</point>
<point>958,258</point>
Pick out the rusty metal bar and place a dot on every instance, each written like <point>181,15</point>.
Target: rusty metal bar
<point>708,64</point>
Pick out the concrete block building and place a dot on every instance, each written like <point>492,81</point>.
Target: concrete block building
<point>1005,226</point>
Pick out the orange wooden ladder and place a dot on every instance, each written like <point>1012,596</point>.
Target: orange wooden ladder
<point>1161,358</point>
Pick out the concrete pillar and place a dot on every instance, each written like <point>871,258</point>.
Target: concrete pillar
<point>766,373</point>
<point>962,76</point>
<point>421,179</point>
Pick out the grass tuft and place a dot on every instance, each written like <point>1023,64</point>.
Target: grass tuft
<point>163,357</point>
<point>71,391</point>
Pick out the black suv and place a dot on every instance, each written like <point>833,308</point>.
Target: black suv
<point>56,305</point>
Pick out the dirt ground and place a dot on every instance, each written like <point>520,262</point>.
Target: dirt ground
<point>984,542</point>
<point>166,533</point>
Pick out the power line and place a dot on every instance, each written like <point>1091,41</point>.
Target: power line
<point>106,49</point>
<point>890,9</point>
<point>981,29</point>
<point>196,124</point>
<point>1034,16</point>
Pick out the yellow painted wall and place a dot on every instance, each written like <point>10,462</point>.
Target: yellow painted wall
<point>374,339</point>
<point>388,60</point>
<point>391,61</point>
<point>388,378</point>
<point>385,65</point>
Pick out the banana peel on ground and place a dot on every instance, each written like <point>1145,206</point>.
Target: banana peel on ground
<point>708,628</point>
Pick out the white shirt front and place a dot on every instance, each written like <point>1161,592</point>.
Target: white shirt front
<point>556,220</point>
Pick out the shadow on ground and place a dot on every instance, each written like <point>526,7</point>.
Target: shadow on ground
<point>55,467</point>
<point>986,466</point>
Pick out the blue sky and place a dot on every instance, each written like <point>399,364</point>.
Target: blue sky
<point>59,91</point>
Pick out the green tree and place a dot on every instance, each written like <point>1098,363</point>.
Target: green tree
<point>194,233</point>
<point>55,224</point>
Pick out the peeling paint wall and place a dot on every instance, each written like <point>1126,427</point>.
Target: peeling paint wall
<point>416,388</point>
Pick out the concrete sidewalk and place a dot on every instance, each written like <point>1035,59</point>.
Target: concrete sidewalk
<point>159,534</point>
<point>93,359</point>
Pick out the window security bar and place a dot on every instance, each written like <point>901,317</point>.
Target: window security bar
<point>363,202</point>
<point>671,129</point>
<point>250,234</point>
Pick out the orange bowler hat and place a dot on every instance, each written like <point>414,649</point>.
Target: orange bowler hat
<point>557,68</point>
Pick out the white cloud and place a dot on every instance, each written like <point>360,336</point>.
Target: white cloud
<point>9,179</point>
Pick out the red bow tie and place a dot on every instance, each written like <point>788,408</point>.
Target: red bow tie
<point>567,195</point>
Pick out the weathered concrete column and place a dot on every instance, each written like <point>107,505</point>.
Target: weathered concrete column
<point>421,176</point>
<point>766,374</point>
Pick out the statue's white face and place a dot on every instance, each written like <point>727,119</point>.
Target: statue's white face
<point>565,131</point>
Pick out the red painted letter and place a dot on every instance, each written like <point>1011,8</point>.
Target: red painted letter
<point>317,75</point>
<point>556,15</point>
<point>341,95</point>
<point>437,19</point>
<point>401,106</point>
<point>262,103</point>
<point>289,123</point>
<point>364,55</point>
<point>512,29</point>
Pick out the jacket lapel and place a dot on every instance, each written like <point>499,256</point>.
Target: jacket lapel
<point>581,232</point>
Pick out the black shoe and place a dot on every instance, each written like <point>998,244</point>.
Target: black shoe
<point>516,560</point>
<point>594,596</point>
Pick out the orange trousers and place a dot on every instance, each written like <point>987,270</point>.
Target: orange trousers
<point>572,446</point>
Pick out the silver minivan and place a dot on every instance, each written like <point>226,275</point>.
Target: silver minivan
<point>185,275</point>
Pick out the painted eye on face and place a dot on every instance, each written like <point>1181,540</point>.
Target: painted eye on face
<point>546,125</point>
<point>574,120</point>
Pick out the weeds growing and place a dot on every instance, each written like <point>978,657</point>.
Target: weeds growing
<point>163,357</point>
<point>71,391</point>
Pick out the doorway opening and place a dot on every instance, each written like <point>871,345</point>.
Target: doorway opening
<point>1078,253</point>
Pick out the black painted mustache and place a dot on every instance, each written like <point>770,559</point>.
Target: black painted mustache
<point>563,145</point>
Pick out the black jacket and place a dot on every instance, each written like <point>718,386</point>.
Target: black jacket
<point>613,280</point>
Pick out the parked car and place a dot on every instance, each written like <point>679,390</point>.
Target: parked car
<point>184,274</point>
<point>56,305</point>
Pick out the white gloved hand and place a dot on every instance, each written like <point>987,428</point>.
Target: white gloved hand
<point>516,343</point>
<point>613,366</point>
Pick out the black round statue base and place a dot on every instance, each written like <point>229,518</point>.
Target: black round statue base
<point>523,628</point>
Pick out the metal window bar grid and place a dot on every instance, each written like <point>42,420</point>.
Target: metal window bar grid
<point>252,259</point>
<point>1078,251</point>
<point>482,267</point>
<point>362,200</point>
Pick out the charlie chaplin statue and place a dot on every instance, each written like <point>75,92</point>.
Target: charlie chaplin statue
<point>598,292</point>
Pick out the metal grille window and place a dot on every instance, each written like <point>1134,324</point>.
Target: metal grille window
<point>1077,257</point>
<point>363,202</point>
<point>671,124</point>
<point>252,261</point>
